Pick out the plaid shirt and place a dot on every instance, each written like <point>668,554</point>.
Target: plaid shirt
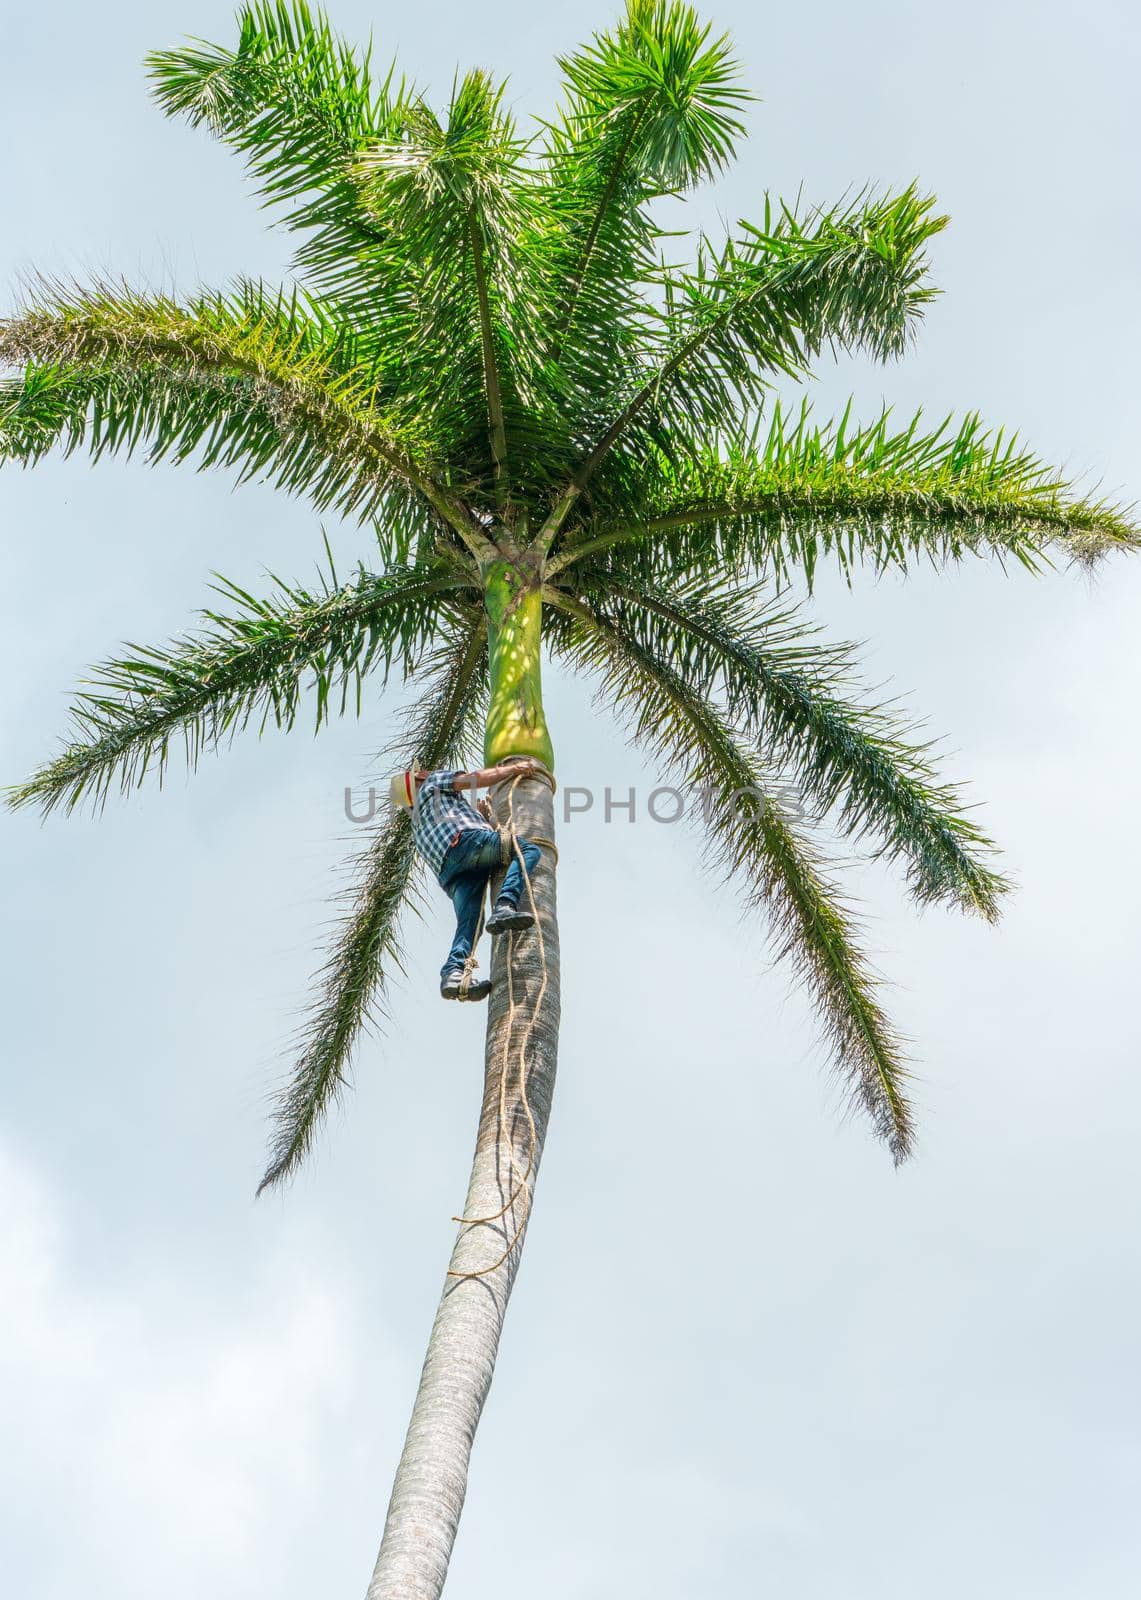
<point>440,815</point>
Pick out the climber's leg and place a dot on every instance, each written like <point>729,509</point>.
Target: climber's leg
<point>510,912</point>
<point>466,891</point>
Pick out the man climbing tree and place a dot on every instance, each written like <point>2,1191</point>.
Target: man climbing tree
<point>463,849</point>
<point>545,433</point>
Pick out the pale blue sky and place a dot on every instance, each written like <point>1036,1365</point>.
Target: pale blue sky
<point>744,1355</point>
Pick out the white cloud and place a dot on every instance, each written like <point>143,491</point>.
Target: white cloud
<point>177,1433</point>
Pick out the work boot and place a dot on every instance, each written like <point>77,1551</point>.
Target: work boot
<point>506,918</point>
<point>451,986</point>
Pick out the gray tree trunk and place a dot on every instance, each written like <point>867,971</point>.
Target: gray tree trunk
<point>519,1078</point>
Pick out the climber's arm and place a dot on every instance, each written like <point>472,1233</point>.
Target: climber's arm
<point>486,777</point>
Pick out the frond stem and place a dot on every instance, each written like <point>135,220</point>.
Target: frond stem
<point>578,277</point>
<point>497,432</point>
<point>48,337</point>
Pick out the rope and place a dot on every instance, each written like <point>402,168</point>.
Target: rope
<point>470,962</point>
<point>508,833</point>
<point>508,846</point>
<point>523,1185</point>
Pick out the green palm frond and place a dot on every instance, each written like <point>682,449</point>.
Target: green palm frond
<point>440,731</point>
<point>651,108</point>
<point>794,698</point>
<point>877,495</point>
<point>254,380</point>
<point>661,89</point>
<point>414,224</point>
<point>850,278</point>
<point>299,104</point>
<point>757,844</point>
<point>256,664</point>
<point>459,197</point>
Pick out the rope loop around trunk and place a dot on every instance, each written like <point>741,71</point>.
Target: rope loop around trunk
<point>522,1186</point>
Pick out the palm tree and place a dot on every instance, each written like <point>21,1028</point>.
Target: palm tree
<point>549,435</point>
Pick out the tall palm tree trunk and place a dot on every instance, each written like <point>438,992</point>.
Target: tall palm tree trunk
<point>519,1078</point>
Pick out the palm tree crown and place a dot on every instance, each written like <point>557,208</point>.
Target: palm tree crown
<point>547,429</point>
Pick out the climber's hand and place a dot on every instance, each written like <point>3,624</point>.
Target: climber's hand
<point>487,777</point>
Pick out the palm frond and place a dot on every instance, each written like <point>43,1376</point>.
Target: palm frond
<point>850,278</point>
<point>300,105</point>
<point>254,665</point>
<point>651,107</point>
<point>876,495</point>
<point>757,842</point>
<point>458,195</point>
<point>254,380</point>
<point>440,730</point>
<point>408,220</point>
<point>795,699</point>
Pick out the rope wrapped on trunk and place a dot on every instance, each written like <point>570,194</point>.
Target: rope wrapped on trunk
<point>507,842</point>
<point>508,837</point>
<point>508,845</point>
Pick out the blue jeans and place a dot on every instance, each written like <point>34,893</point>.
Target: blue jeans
<point>467,866</point>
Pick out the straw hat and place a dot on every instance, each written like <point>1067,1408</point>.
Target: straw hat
<point>402,789</point>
